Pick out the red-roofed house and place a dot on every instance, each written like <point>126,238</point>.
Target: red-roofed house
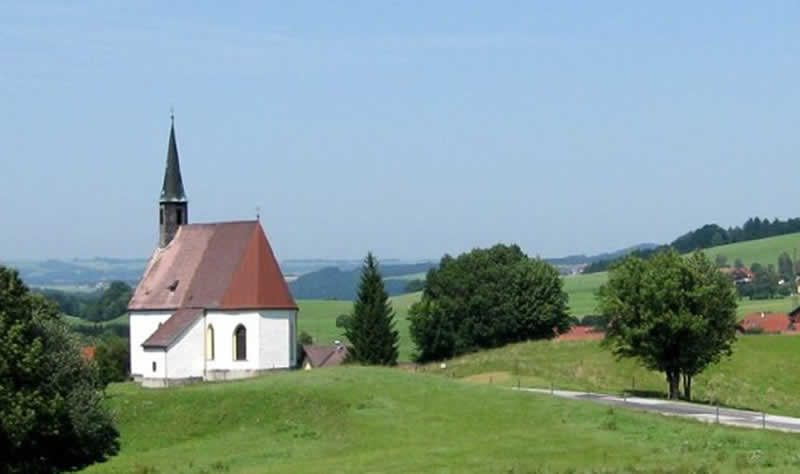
<point>324,356</point>
<point>581,333</point>
<point>212,303</point>
<point>766,323</point>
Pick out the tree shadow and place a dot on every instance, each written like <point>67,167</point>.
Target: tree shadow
<point>681,398</point>
<point>646,394</point>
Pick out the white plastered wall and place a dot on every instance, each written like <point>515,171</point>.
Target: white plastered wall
<point>270,339</point>
<point>224,323</point>
<point>155,358</point>
<point>142,325</point>
<point>277,350</point>
<point>185,355</point>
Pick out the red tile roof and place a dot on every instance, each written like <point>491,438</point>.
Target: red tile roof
<point>227,265</point>
<point>172,328</point>
<point>325,356</point>
<point>581,333</point>
<point>87,352</point>
<point>770,323</point>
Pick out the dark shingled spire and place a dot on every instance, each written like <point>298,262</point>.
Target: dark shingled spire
<point>172,191</point>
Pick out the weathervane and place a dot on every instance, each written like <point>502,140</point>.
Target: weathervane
<point>258,213</point>
<point>172,115</point>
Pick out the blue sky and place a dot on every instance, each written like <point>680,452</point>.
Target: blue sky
<point>407,128</point>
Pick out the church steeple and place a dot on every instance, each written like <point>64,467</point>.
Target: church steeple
<point>173,206</point>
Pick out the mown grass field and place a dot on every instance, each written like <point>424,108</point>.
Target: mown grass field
<point>318,318</point>
<point>581,290</point>
<point>761,374</point>
<point>353,419</point>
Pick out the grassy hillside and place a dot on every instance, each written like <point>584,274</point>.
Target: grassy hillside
<point>318,318</point>
<point>764,251</point>
<point>760,375</point>
<point>581,288</point>
<point>385,420</point>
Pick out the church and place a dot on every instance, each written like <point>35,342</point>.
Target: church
<point>212,303</point>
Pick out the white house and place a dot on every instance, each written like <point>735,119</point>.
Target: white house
<point>212,303</point>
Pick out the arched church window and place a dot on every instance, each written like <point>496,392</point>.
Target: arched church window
<point>240,343</point>
<point>210,342</point>
<point>154,366</point>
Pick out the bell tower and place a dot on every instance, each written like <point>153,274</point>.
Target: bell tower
<point>173,208</point>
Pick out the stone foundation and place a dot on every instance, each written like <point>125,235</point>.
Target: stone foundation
<point>148,382</point>
<point>210,376</point>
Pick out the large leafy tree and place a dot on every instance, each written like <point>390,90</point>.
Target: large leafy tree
<point>487,298</point>
<point>371,329</point>
<point>676,315</point>
<point>51,414</point>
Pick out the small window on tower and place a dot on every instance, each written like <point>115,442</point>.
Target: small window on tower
<point>161,216</point>
<point>180,216</point>
<point>154,366</point>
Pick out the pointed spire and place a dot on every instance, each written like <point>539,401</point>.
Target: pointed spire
<point>172,190</point>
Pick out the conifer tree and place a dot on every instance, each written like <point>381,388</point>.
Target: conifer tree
<point>371,332</point>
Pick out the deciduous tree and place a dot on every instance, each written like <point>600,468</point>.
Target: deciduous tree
<point>51,414</point>
<point>675,315</point>
<point>487,298</point>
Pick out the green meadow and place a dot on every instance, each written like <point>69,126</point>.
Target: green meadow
<point>353,419</point>
<point>318,318</point>
<point>582,288</point>
<point>760,375</point>
<point>763,251</point>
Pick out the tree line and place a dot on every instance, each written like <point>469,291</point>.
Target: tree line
<point>712,235</point>
<point>96,306</point>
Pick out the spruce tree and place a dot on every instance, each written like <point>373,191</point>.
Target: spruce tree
<point>371,331</point>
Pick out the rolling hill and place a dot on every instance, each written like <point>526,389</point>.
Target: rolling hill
<point>581,288</point>
<point>353,419</point>
<point>760,375</point>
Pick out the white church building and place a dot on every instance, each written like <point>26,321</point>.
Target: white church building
<point>212,303</point>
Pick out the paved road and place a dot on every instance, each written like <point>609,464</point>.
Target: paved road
<point>705,413</point>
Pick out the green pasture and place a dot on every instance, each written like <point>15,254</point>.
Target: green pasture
<point>353,419</point>
<point>760,375</point>
<point>318,318</point>
<point>763,251</point>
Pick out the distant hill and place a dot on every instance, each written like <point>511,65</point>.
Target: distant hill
<point>78,272</point>
<point>334,283</point>
<point>585,260</point>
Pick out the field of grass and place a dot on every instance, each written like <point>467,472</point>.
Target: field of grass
<point>763,251</point>
<point>353,419</point>
<point>581,290</point>
<point>760,375</point>
<point>318,318</point>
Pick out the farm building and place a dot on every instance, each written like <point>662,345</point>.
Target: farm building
<point>581,333</point>
<point>766,323</point>
<point>323,356</point>
<point>212,303</point>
